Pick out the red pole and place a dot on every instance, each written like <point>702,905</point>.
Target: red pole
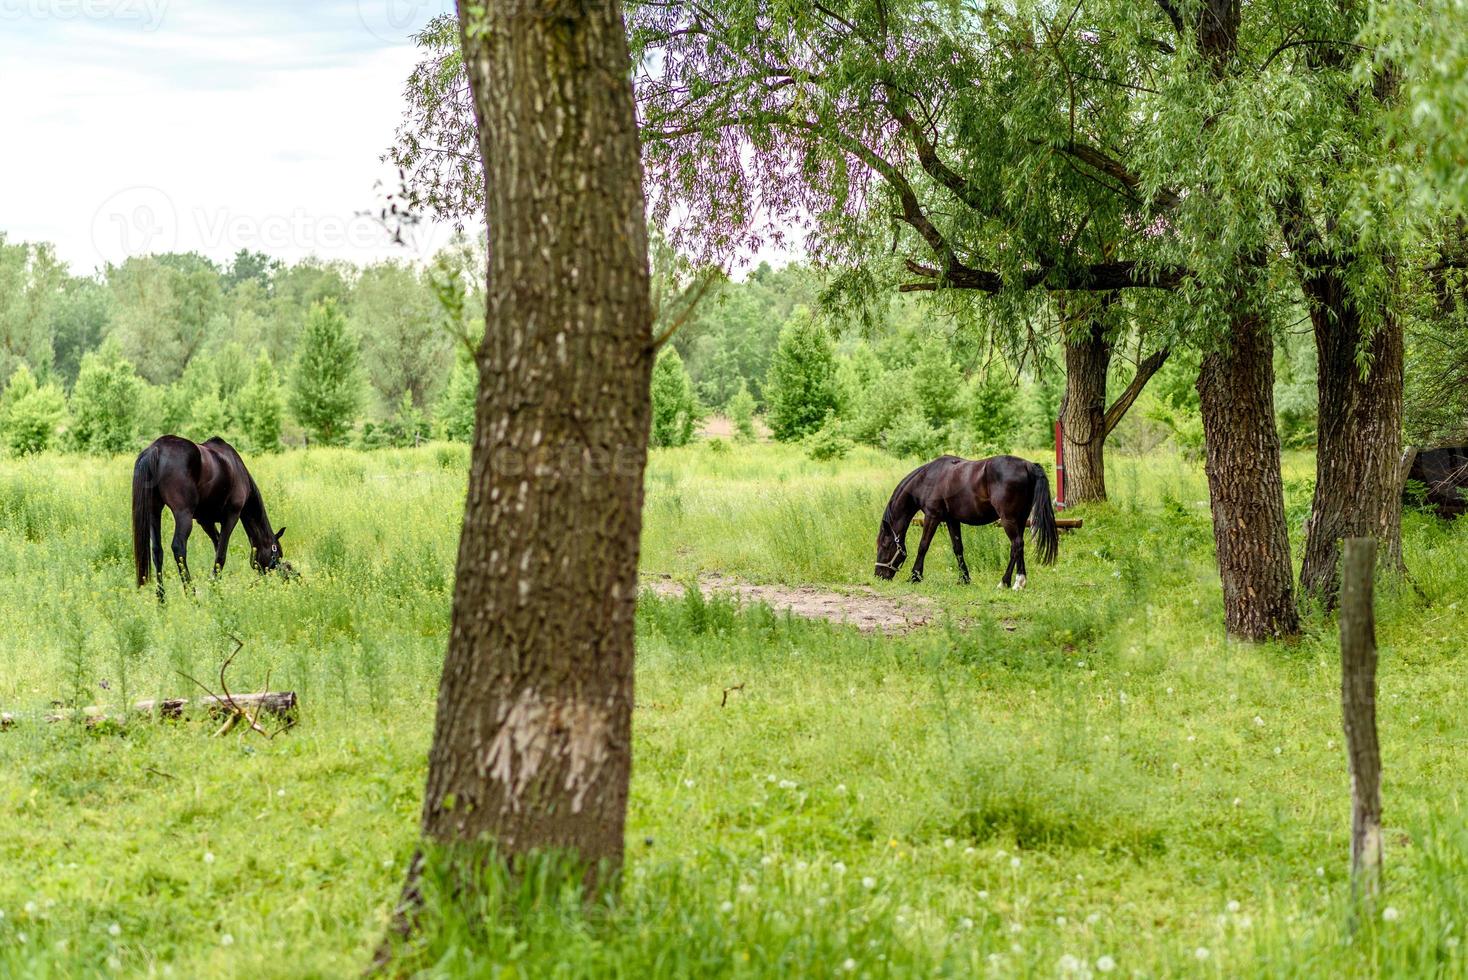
<point>1059,466</point>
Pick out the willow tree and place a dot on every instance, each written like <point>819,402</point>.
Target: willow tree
<point>1009,154</point>
<point>532,744</point>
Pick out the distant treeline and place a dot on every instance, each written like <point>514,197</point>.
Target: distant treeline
<point>268,354</point>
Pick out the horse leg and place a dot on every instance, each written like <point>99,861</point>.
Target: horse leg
<point>955,534</point>
<point>213,531</point>
<point>221,544</point>
<point>929,526</point>
<point>155,535</point>
<point>1016,532</point>
<point>183,523</point>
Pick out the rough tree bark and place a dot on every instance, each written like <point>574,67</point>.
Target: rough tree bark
<point>1085,419</point>
<point>1358,491</point>
<point>531,748</point>
<point>1236,392</point>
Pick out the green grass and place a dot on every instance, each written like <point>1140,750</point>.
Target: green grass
<point>1086,769</point>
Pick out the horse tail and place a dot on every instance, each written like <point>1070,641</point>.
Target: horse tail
<point>1042,515</point>
<point>145,494</point>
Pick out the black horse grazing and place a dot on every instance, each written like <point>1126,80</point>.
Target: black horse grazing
<point>208,484</point>
<point>957,491</point>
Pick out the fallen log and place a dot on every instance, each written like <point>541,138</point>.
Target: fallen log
<point>281,704</point>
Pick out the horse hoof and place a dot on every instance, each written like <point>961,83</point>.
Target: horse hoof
<point>1019,583</point>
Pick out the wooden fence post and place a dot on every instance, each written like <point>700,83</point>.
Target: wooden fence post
<point>1358,712</point>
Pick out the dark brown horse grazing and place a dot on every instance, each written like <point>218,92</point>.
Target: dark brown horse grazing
<point>957,491</point>
<point>208,484</point>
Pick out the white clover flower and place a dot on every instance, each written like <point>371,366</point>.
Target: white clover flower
<point>1105,964</point>
<point>1201,953</point>
<point>1277,750</point>
<point>1015,927</point>
<point>280,792</point>
<point>1061,921</point>
<point>838,867</point>
<point>687,784</point>
<point>801,865</point>
<point>1258,722</point>
<point>728,906</point>
<point>30,908</point>
<point>226,940</point>
<point>21,938</point>
<point>869,883</point>
<point>787,784</point>
<point>983,896</point>
<point>1069,964</point>
<point>1320,872</point>
<point>1014,862</point>
<point>114,964</point>
<point>1233,905</point>
<point>965,923</point>
<point>849,966</point>
<point>766,861</point>
<point>1093,918</point>
<point>208,857</point>
<point>1390,914</point>
<point>770,778</point>
<point>949,842</point>
<point>114,930</point>
<point>1238,801</point>
<point>840,789</point>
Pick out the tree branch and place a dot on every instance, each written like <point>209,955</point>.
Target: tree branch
<point>1123,403</point>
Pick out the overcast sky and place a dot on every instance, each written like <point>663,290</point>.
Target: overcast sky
<point>135,126</point>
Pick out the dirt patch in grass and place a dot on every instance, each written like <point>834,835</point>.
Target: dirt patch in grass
<point>867,609</point>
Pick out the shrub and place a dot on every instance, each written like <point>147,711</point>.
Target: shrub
<point>106,402</point>
<point>457,405</point>
<point>260,407</point>
<point>674,408</point>
<point>326,387</point>
<point>801,388</point>
<point>741,412</point>
<point>993,415</point>
<point>30,414</point>
<point>829,443</point>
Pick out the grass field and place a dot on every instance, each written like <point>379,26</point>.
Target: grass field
<point>1081,778</point>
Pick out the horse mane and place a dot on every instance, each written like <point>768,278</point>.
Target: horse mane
<point>902,486</point>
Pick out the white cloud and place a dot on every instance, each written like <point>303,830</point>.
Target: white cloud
<point>215,128</point>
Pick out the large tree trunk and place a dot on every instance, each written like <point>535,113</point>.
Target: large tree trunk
<point>1236,389</point>
<point>1085,420</point>
<point>1358,489</point>
<point>531,750</point>
<point>1083,414</point>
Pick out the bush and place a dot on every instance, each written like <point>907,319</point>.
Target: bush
<point>741,412</point>
<point>459,401</point>
<point>674,408</point>
<point>260,407</point>
<point>407,426</point>
<point>801,388</point>
<point>937,384</point>
<point>829,443</point>
<point>106,402</point>
<point>326,387</point>
<point>993,415</point>
<point>30,414</point>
